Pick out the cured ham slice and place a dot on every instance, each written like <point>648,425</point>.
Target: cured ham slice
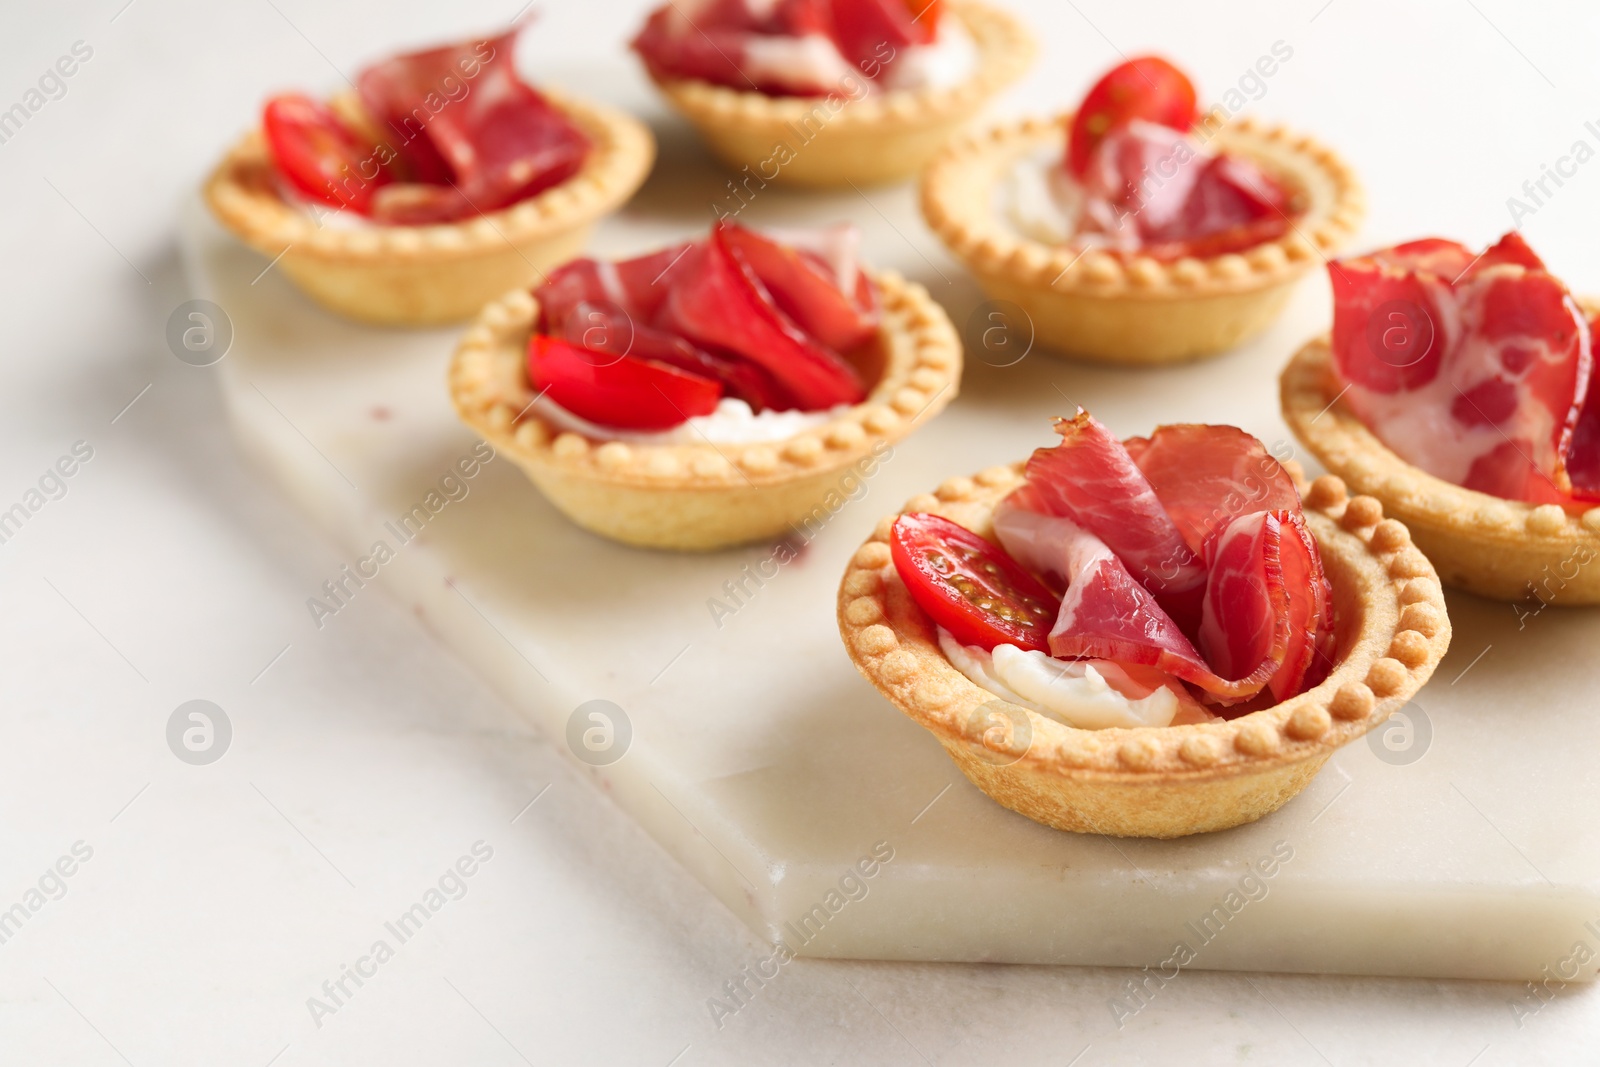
<point>1206,476</point>
<point>1150,188</point>
<point>1309,655</point>
<point>1106,613</point>
<point>784,47</point>
<point>723,303</point>
<point>471,133</point>
<point>1091,479</point>
<point>766,320</point>
<point>1474,369</point>
<point>1583,453</point>
<point>832,301</point>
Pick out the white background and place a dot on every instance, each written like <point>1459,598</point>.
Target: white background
<point>365,760</point>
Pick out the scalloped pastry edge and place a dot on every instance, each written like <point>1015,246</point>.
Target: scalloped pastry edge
<point>1504,549</point>
<point>699,495</point>
<point>1097,305</point>
<point>436,273</point>
<point>1161,781</point>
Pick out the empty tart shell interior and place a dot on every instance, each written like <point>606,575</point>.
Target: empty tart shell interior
<point>700,495</point>
<point>1112,308</point>
<point>1505,549</point>
<point>1157,781</point>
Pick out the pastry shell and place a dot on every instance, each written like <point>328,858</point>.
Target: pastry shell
<point>426,275</point>
<point>841,141</point>
<point>1157,781</point>
<point>1099,306</point>
<point>700,495</point>
<point>1505,549</point>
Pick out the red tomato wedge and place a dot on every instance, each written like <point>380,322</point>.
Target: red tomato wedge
<point>621,391</point>
<point>971,587</point>
<point>1146,88</point>
<point>319,155</point>
<point>927,13</point>
<point>607,328</point>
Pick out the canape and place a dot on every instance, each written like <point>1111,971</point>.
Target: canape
<point>443,181</point>
<point>1459,390</point>
<point>1148,638</point>
<point>732,389</point>
<point>830,92</point>
<point>1136,230</point>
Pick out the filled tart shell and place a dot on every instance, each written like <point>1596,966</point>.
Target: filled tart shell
<point>1157,781</point>
<point>872,140</point>
<point>700,496</point>
<point>1504,549</point>
<point>1132,309</point>
<point>427,275</point>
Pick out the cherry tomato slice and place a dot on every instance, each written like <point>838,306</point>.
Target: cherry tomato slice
<point>971,587</point>
<point>319,155</point>
<point>1146,88</point>
<point>926,14</point>
<point>621,391</point>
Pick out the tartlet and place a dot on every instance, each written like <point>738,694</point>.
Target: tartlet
<point>1504,549</point>
<point>874,140</point>
<point>1157,781</point>
<point>426,275</point>
<point>701,495</point>
<point>1112,308</point>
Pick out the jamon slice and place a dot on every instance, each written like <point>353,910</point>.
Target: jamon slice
<point>637,287</point>
<point>1309,655</point>
<point>721,303</point>
<point>1476,376</point>
<point>1583,454</point>
<point>782,49</point>
<point>1206,476</point>
<point>1268,614</point>
<point>1091,479</point>
<point>833,303</point>
<point>464,119</point>
<point>1105,613</point>
<point>1152,189</point>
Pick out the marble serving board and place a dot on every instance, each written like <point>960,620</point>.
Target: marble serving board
<point>1459,843</point>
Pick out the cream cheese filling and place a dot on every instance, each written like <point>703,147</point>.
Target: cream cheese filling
<point>1072,692</point>
<point>734,422</point>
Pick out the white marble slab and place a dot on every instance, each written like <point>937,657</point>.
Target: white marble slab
<point>762,761</point>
